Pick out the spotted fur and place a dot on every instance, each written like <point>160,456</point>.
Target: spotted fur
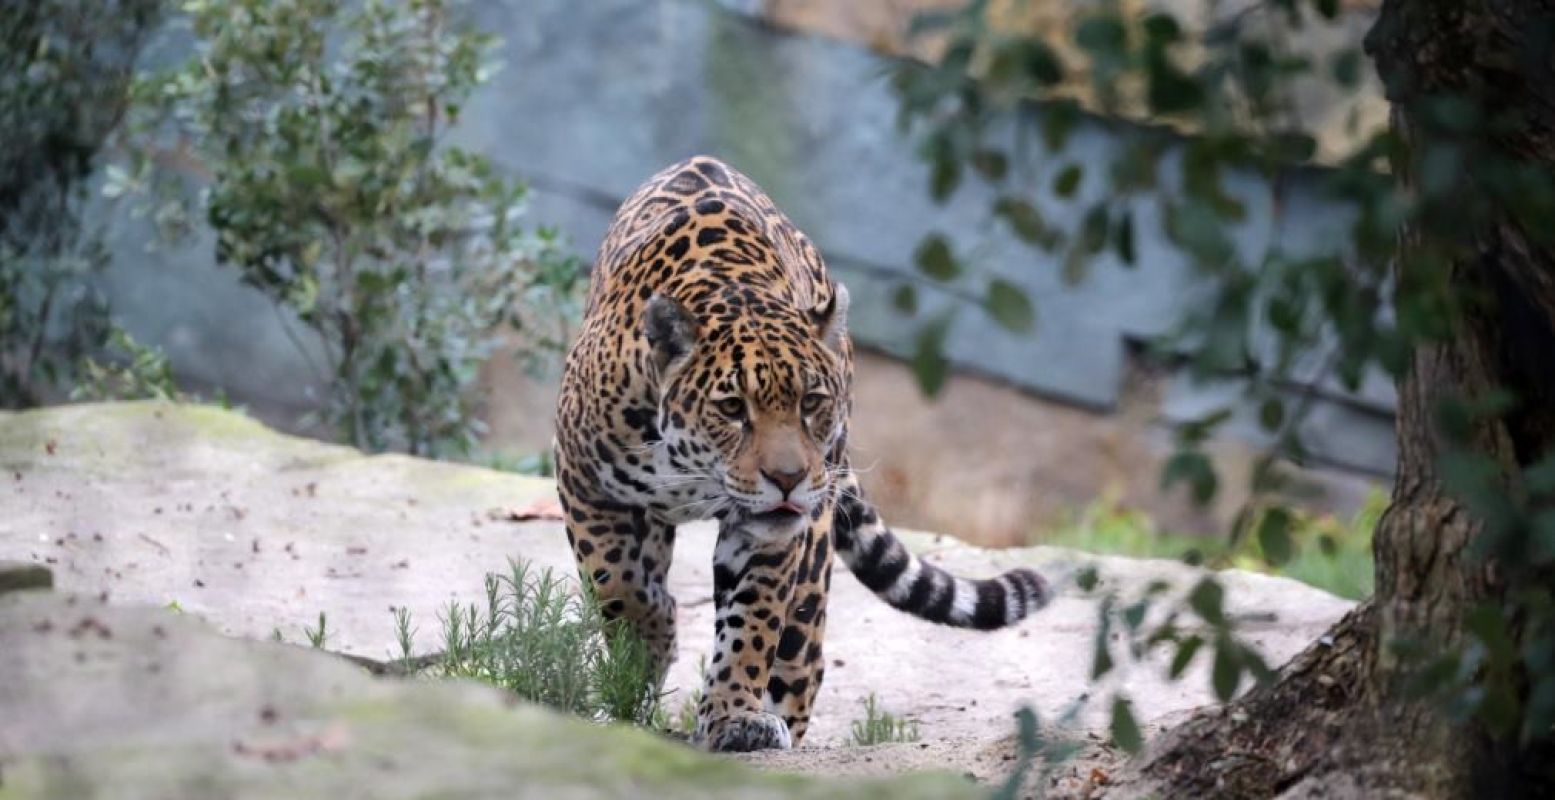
<point>712,379</point>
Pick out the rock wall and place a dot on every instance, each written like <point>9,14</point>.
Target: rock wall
<point>596,96</point>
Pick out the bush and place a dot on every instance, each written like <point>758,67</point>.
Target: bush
<point>330,189</point>
<point>129,371</point>
<point>538,640</point>
<point>64,70</point>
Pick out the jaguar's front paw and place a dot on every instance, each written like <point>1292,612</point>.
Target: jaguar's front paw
<point>744,733</point>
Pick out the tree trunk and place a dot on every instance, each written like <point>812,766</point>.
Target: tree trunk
<point>1337,722</point>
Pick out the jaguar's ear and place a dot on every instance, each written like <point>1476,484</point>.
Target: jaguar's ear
<point>671,330</point>
<point>831,317</point>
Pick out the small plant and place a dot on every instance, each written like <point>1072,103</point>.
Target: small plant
<point>881,727</point>
<point>544,643</point>
<point>404,635</point>
<point>129,371</point>
<point>686,718</point>
<point>317,637</point>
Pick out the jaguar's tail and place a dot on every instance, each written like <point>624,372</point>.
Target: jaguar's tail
<point>882,563</point>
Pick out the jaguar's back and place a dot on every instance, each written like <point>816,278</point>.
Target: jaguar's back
<point>701,222</point>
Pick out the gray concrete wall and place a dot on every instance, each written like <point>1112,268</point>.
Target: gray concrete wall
<point>597,96</point>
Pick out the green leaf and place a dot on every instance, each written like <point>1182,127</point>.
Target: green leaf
<point>1102,35</point>
<point>1134,614</point>
<point>1042,65</point>
<point>1135,167</point>
<point>1194,468</point>
<point>1184,656</point>
<point>1207,599</point>
<point>1024,220</point>
<point>935,259</point>
<point>1093,230</point>
<point>1009,306</point>
<point>1274,535</point>
<point>1068,180</point>
<point>1101,662</point>
<point>1271,413</point>
<point>1059,119</point>
<point>306,176</point>
<point>1123,238</point>
<point>905,298</point>
<point>1540,476</point>
<point>944,177</point>
<point>1170,90</point>
<point>1487,624</point>
<point>991,164</point>
<point>958,54</point>
<point>1226,673</point>
<point>1197,228</point>
<point>1125,731</point>
<point>1293,146</point>
<point>1162,29</point>
<point>1346,68</point>
<point>928,361</point>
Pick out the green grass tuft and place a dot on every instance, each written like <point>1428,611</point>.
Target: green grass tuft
<point>545,643</point>
<point>317,637</point>
<point>881,727</point>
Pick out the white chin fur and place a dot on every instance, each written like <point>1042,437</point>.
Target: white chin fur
<point>764,531</point>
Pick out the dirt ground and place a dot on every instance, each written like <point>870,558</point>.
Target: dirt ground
<point>989,762</point>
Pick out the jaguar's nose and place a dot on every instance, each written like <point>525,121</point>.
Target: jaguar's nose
<point>784,480</point>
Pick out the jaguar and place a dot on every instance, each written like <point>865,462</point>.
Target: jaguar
<point>711,379</point>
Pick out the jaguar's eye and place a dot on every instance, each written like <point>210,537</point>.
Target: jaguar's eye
<point>731,407</point>
<point>812,403</point>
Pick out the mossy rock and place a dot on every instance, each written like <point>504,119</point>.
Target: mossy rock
<point>105,701</point>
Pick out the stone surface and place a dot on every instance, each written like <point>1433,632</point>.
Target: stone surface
<point>255,532</point>
<point>107,701</point>
<point>18,575</point>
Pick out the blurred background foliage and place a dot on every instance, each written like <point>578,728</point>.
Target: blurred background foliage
<point>311,133</point>
<point>1319,549</point>
<point>65,67</point>
<point>1455,177</point>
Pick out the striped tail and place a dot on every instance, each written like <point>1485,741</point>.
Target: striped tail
<point>882,563</point>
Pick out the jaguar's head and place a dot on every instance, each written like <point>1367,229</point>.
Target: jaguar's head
<point>753,396</point>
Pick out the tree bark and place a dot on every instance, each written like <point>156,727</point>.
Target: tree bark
<point>1336,721</point>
